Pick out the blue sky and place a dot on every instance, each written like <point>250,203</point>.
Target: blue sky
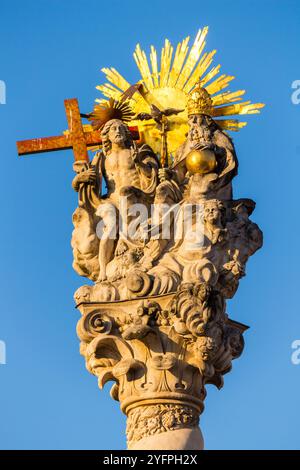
<point>52,50</point>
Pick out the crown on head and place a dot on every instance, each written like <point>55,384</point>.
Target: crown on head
<point>199,101</point>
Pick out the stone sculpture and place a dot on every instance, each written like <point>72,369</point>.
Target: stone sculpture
<point>155,320</point>
<point>158,232</point>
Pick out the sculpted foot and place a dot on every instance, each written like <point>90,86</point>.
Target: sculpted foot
<point>102,277</point>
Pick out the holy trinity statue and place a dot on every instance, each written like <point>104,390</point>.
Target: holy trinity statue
<point>160,237</point>
<point>130,265</point>
<point>159,233</point>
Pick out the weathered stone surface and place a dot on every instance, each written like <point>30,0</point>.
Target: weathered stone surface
<point>154,322</point>
<point>160,352</point>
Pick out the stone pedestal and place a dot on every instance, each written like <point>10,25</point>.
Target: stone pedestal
<point>160,352</point>
<point>179,439</point>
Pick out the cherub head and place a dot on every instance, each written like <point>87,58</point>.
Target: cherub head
<point>242,212</point>
<point>115,131</point>
<point>214,212</point>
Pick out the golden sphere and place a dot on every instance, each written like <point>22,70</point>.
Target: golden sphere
<point>201,161</point>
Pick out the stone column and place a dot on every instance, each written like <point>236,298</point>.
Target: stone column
<point>160,353</point>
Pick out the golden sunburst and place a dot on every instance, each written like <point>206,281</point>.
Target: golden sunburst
<point>108,110</point>
<point>168,84</point>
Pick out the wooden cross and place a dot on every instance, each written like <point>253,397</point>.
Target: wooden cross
<point>77,139</point>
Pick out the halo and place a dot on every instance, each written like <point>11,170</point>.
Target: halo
<point>107,110</point>
<point>169,84</point>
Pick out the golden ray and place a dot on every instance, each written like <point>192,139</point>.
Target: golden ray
<point>193,57</point>
<point>227,97</point>
<point>231,124</point>
<point>142,63</point>
<point>240,108</point>
<point>180,55</point>
<point>166,58</point>
<point>230,110</point>
<point>100,101</point>
<point>210,75</point>
<point>109,91</point>
<point>199,71</point>
<point>113,76</point>
<point>168,84</point>
<point>219,84</point>
<point>153,60</point>
<point>253,108</point>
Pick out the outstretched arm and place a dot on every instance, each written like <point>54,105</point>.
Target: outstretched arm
<point>88,174</point>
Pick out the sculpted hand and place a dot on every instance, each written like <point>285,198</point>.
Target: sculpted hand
<point>135,152</point>
<point>204,145</point>
<point>88,176</point>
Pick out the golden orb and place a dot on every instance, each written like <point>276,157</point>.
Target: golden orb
<point>201,161</point>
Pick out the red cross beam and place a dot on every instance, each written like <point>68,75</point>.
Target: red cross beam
<point>77,138</point>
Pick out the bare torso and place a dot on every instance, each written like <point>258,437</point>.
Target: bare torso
<point>120,171</point>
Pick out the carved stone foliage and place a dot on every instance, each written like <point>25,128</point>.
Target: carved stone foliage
<point>160,353</point>
<point>146,421</point>
<point>154,321</point>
